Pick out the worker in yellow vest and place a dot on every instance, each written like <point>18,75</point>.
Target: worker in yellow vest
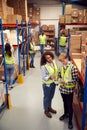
<point>10,61</point>
<point>62,43</point>
<point>32,52</point>
<point>49,71</point>
<point>42,41</point>
<point>68,81</point>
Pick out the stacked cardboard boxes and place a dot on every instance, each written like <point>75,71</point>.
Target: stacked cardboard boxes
<point>67,13</point>
<point>33,13</point>
<point>36,14</point>
<point>3,10</point>
<point>7,13</point>
<point>61,19</point>
<point>73,15</point>
<point>13,18</point>
<point>75,44</point>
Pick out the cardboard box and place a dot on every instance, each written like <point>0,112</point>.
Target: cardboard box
<point>85,19</point>
<point>76,55</point>
<point>84,12</point>
<point>75,13</point>
<point>62,19</point>
<point>51,27</point>
<point>80,19</point>
<point>44,27</point>
<point>67,18</point>
<point>84,35</point>
<point>68,9</point>
<point>81,13</point>
<point>13,18</point>
<point>74,20</point>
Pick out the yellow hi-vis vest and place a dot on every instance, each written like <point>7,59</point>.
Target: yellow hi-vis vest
<point>51,71</point>
<point>67,77</point>
<point>9,60</point>
<point>62,41</point>
<point>31,51</point>
<point>42,39</point>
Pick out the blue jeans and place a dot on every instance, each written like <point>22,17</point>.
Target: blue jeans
<point>62,49</point>
<point>32,59</point>
<point>42,48</point>
<point>10,73</point>
<point>48,95</point>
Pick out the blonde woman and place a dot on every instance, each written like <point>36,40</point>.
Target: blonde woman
<point>68,81</point>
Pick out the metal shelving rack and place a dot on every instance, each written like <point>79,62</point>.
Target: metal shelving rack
<point>3,54</point>
<point>85,101</point>
<point>17,30</point>
<point>23,45</point>
<point>2,27</point>
<point>82,106</point>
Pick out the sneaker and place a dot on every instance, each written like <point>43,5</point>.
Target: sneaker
<point>33,66</point>
<point>10,87</point>
<point>47,113</point>
<point>64,116</point>
<point>70,125</point>
<point>52,110</point>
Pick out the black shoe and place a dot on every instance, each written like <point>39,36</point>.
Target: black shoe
<point>64,116</point>
<point>47,113</point>
<point>70,125</point>
<point>52,110</point>
<point>33,66</point>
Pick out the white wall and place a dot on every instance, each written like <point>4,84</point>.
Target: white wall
<point>50,15</point>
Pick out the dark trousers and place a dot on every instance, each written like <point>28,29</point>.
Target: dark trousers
<point>48,95</point>
<point>32,56</point>
<point>42,48</point>
<point>67,103</point>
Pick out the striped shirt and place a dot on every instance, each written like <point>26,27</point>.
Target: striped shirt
<point>74,72</point>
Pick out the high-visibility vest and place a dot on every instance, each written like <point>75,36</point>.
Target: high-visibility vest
<point>62,41</point>
<point>31,51</point>
<point>42,39</point>
<point>51,71</point>
<point>67,76</point>
<point>9,59</point>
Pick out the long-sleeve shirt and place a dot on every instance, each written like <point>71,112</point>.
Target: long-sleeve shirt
<point>74,72</point>
<point>44,73</point>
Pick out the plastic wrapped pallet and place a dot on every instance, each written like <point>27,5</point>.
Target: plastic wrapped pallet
<point>2,92</point>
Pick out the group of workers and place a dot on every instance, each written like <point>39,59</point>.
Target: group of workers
<point>65,77</point>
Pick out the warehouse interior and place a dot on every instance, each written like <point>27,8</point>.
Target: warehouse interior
<point>22,106</point>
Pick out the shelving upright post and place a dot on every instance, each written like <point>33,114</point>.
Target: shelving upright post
<point>68,42</point>
<point>63,9</point>
<point>58,39</point>
<point>85,99</point>
<point>23,45</point>
<point>3,54</point>
<point>17,30</point>
<point>27,43</point>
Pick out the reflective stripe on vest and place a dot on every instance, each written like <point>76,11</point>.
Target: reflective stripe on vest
<point>42,39</point>
<point>32,48</point>
<point>51,71</point>
<point>67,77</point>
<point>62,41</point>
<point>9,60</point>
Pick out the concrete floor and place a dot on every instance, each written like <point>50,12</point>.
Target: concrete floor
<point>27,101</point>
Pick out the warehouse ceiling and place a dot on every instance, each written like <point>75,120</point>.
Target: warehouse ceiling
<point>54,2</point>
<point>45,2</point>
